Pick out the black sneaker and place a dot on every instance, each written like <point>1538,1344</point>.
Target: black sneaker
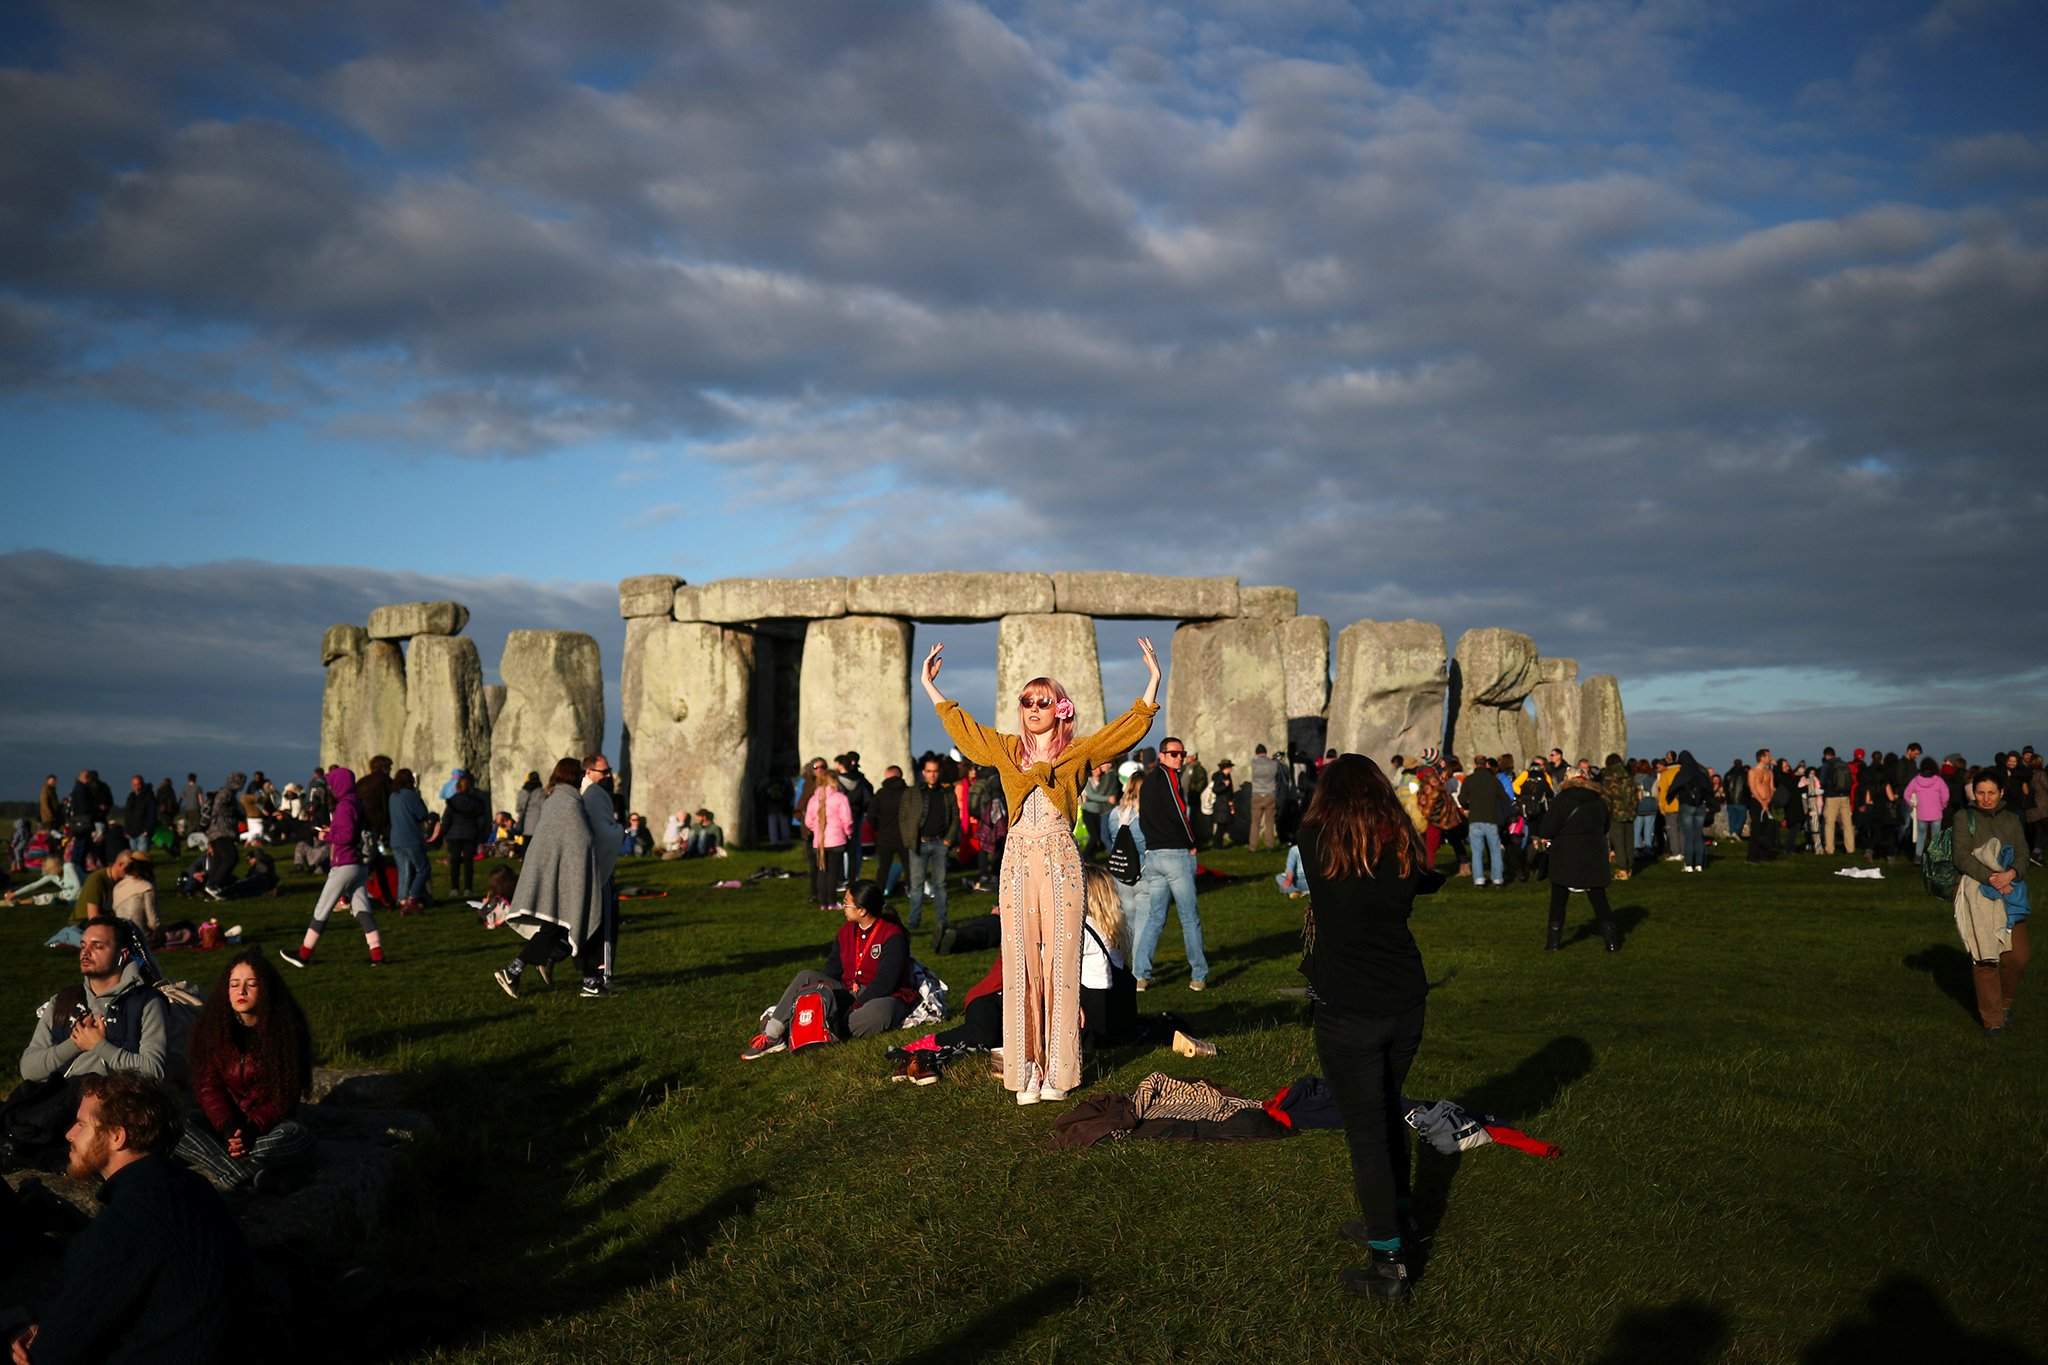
<point>594,988</point>
<point>507,982</point>
<point>1381,1277</point>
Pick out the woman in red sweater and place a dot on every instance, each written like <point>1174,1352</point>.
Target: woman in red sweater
<point>252,1062</point>
<point>868,982</point>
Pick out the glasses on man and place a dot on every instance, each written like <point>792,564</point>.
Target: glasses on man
<point>1173,753</point>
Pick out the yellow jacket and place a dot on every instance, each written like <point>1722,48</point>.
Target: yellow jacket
<point>1666,802</point>
<point>1063,778</point>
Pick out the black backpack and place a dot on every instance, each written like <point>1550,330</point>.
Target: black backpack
<point>1124,863</point>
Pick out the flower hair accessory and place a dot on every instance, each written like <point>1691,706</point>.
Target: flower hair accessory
<point>1064,708</point>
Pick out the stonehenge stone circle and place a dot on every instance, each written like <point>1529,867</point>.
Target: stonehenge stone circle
<point>1492,672</point>
<point>1556,699</point>
<point>733,601</point>
<point>1603,729</point>
<point>1141,597</point>
<point>1281,602</point>
<point>1305,659</point>
<point>1389,695</point>
<point>362,711</point>
<point>1055,645</point>
<point>684,731</point>
<point>554,706</point>
<point>855,690</point>
<point>648,594</point>
<point>446,725</point>
<point>403,620</point>
<point>1226,691</point>
<point>950,597</point>
<point>342,641</point>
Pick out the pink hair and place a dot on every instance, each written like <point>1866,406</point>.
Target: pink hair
<point>1062,733</point>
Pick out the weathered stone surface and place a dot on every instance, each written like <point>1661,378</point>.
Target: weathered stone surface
<point>1305,654</point>
<point>1389,695</point>
<point>1603,728</point>
<point>1556,671</point>
<point>684,692</point>
<point>855,691</point>
<point>1143,597</point>
<point>403,620</point>
<point>1492,672</point>
<point>362,712</point>
<point>342,642</point>
<point>731,601</point>
<point>446,725</point>
<point>494,703</point>
<point>554,706</point>
<point>1268,601</point>
<point>648,594</point>
<point>1060,646</point>
<point>1227,690</point>
<point>949,596</point>
<point>1556,700</point>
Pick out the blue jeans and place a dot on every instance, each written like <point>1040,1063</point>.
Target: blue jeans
<point>1484,838</point>
<point>1692,834</point>
<point>1295,878</point>
<point>138,843</point>
<point>1738,814</point>
<point>412,873</point>
<point>927,865</point>
<point>1923,830</point>
<point>1168,872</point>
<point>1646,832</point>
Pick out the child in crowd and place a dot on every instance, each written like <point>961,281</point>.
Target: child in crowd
<point>58,885</point>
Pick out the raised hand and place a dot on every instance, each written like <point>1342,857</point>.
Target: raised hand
<point>929,674</point>
<point>1151,667</point>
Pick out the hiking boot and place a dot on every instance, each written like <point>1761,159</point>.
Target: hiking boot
<point>1383,1276</point>
<point>762,1046</point>
<point>507,982</point>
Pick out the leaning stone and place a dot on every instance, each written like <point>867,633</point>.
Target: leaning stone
<point>1268,601</point>
<point>648,594</point>
<point>854,692</point>
<point>554,706</point>
<point>362,711</point>
<point>1492,671</point>
<point>1057,645</point>
<point>949,596</point>
<point>1389,695</point>
<point>1603,728</point>
<point>1145,597</point>
<point>1227,690</point>
<point>406,619</point>
<point>735,601</point>
<point>446,725</point>
<point>341,642</point>
<point>684,738</point>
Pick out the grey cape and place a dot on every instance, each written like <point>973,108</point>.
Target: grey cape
<point>558,880</point>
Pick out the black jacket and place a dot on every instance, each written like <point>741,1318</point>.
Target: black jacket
<point>1159,818</point>
<point>138,817</point>
<point>910,814</point>
<point>1576,825</point>
<point>466,816</point>
<point>886,806</point>
<point>152,1279</point>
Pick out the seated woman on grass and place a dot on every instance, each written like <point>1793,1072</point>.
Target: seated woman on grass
<point>867,981</point>
<point>252,1062</point>
<point>57,886</point>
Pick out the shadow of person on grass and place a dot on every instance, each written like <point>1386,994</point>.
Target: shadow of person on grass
<point>997,1327</point>
<point>1627,919</point>
<point>1688,1332</point>
<point>1950,968</point>
<point>377,1042</point>
<point>1512,1098</point>
<point>1904,1320</point>
<point>812,955</point>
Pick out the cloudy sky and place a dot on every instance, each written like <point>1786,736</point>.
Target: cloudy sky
<point>1704,341</point>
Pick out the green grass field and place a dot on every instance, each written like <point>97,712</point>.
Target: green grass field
<point>1785,1139</point>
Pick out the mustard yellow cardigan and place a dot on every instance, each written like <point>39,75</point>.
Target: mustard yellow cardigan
<point>1063,778</point>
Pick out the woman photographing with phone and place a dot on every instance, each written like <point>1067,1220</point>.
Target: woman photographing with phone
<point>1040,897</point>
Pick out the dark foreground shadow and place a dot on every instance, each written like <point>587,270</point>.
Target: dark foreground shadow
<point>1950,968</point>
<point>1627,919</point>
<point>1688,1332</point>
<point>1512,1098</point>
<point>1903,1321</point>
<point>997,1327</point>
<point>377,1042</point>
<point>742,964</point>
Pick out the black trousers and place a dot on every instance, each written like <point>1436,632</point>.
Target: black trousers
<point>887,856</point>
<point>220,863</point>
<point>550,943</point>
<point>1092,821</point>
<point>828,874</point>
<point>1763,833</point>
<point>1365,1061</point>
<point>462,864</point>
<point>1560,893</point>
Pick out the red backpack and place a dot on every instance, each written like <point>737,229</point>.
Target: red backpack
<point>810,1023</point>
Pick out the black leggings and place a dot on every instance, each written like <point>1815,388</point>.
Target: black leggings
<point>462,864</point>
<point>1365,1061</point>
<point>550,943</point>
<point>828,874</point>
<point>1559,893</point>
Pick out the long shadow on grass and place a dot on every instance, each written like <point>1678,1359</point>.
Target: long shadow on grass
<point>739,964</point>
<point>379,1041</point>
<point>1245,956</point>
<point>1905,1320</point>
<point>999,1326</point>
<point>1627,919</point>
<point>1513,1098</point>
<point>1950,968</point>
<point>1684,1333</point>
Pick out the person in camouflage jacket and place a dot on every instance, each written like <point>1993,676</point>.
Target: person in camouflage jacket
<point>1618,790</point>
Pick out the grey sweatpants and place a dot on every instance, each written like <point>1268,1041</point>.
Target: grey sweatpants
<point>865,1021</point>
<point>288,1144</point>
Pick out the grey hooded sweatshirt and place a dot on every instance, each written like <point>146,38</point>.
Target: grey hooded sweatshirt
<point>136,1040</point>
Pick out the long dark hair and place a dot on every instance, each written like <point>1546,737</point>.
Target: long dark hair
<point>1357,819</point>
<point>284,1043</point>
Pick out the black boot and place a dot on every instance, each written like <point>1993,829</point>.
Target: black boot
<point>1553,934</point>
<point>1383,1276</point>
<point>1610,934</point>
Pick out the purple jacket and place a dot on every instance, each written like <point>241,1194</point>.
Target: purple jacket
<point>1928,797</point>
<point>344,832</point>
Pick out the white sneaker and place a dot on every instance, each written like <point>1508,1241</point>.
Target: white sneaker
<point>1047,1092</point>
<point>1674,857</point>
<point>1033,1081</point>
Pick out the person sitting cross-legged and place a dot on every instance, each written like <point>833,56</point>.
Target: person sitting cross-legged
<point>252,1062</point>
<point>867,982</point>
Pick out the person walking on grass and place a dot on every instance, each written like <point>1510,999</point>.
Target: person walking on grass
<point>1576,827</point>
<point>1991,902</point>
<point>600,810</point>
<point>1365,868</point>
<point>1042,770</point>
<point>347,873</point>
<point>558,901</point>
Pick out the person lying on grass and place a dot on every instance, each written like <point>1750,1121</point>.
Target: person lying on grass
<point>867,981</point>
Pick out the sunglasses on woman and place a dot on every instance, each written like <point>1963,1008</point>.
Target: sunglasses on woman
<point>1036,703</point>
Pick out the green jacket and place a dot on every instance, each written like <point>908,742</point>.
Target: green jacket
<point>1618,789</point>
<point>910,814</point>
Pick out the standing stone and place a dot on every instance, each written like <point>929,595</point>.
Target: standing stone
<point>446,724</point>
<point>648,594</point>
<point>949,596</point>
<point>684,689</point>
<point>403,620</point>
<point>494,703</point>
<point>1145,597</point>
<point>1305,655</point>
<point>1227,690</point>
<point>342,641</point>
<point>362,712</point>
<point>1492,673</point>
<point>1268,601</point>
<point>1389,697</point>
<point>855,691</point>
<point>1556,699</point>
<point>554,706</point>
<point>1059,646</point>
<point>1603,729</point>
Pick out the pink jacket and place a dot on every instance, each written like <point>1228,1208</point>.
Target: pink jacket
<point>835,829</point>
<point>1927,797</point>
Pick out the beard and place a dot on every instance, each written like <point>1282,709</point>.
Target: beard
<point>89,1160</point>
